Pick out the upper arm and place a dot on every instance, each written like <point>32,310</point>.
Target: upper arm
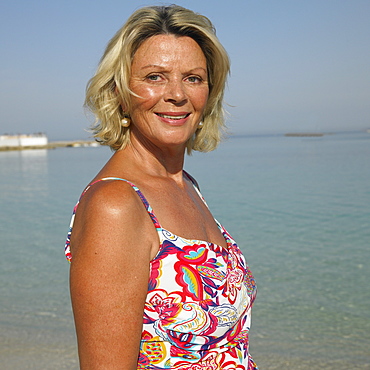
<point>111,247</point>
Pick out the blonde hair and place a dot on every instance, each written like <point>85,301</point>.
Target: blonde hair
<point>108,90</point>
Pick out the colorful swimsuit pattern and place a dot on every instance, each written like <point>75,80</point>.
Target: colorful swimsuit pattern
<point>198,309</point>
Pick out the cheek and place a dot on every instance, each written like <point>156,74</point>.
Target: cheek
<point>146,94</point>
<point>201,99</point>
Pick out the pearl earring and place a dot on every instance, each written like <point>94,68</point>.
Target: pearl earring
<point>125,122</point>
<point>200,125</point>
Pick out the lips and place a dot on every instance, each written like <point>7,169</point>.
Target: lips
<point>174,116</point>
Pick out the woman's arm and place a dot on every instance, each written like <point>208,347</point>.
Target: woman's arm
<point>112,243</point>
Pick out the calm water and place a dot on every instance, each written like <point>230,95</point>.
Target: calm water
<point>299,207</point>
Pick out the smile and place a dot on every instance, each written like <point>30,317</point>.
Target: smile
<point>177,117</point>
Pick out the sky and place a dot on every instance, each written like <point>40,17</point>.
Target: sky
<point>296,65</point>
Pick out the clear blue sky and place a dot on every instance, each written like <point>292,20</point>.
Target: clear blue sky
<point>297,65</point>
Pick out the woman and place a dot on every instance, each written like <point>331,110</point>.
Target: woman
<point>145,297</point>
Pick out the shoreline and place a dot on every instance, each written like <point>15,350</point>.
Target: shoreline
<point>52,145</point>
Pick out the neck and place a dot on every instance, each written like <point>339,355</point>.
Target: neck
<point>156,161</point>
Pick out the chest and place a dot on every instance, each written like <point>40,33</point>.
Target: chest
<point>184,213</point>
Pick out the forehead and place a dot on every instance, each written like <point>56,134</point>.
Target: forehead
<point>163,50</point>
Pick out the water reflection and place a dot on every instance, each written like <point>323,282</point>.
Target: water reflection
<point>33,153</point>
<point>23,171</point>
<point>34,162</point>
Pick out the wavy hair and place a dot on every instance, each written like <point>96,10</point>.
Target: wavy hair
<point>108,90</point>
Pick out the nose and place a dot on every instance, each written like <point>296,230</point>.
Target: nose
<point>175,92</point>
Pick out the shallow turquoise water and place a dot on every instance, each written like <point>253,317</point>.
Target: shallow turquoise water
<point>299,207</point>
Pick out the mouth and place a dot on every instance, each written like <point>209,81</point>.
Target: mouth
<point>174,116</point>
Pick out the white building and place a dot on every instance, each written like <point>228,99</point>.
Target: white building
<point>23,140</point>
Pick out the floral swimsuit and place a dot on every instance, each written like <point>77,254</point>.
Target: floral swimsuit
<point>198,309</point>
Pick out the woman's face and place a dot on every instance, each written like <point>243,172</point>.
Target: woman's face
<point>169,75</point>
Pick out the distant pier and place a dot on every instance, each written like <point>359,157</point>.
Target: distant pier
<point>304,134</point>
<point>6,145</point>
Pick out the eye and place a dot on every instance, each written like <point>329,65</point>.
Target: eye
<point>154,77</point>
<point>194,79</point>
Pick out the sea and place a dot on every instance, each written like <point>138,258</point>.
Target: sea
<point>299,208</point>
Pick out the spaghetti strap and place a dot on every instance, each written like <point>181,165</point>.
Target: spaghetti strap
<point>196,188</point>
<point>192,179</point>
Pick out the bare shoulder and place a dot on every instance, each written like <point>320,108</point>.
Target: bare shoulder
<point>111,215</point>
<point>110,196</point>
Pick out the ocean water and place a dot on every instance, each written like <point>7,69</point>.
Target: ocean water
<point>298,207</point>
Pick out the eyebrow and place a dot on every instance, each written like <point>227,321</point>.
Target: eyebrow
<point>164,68</point>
